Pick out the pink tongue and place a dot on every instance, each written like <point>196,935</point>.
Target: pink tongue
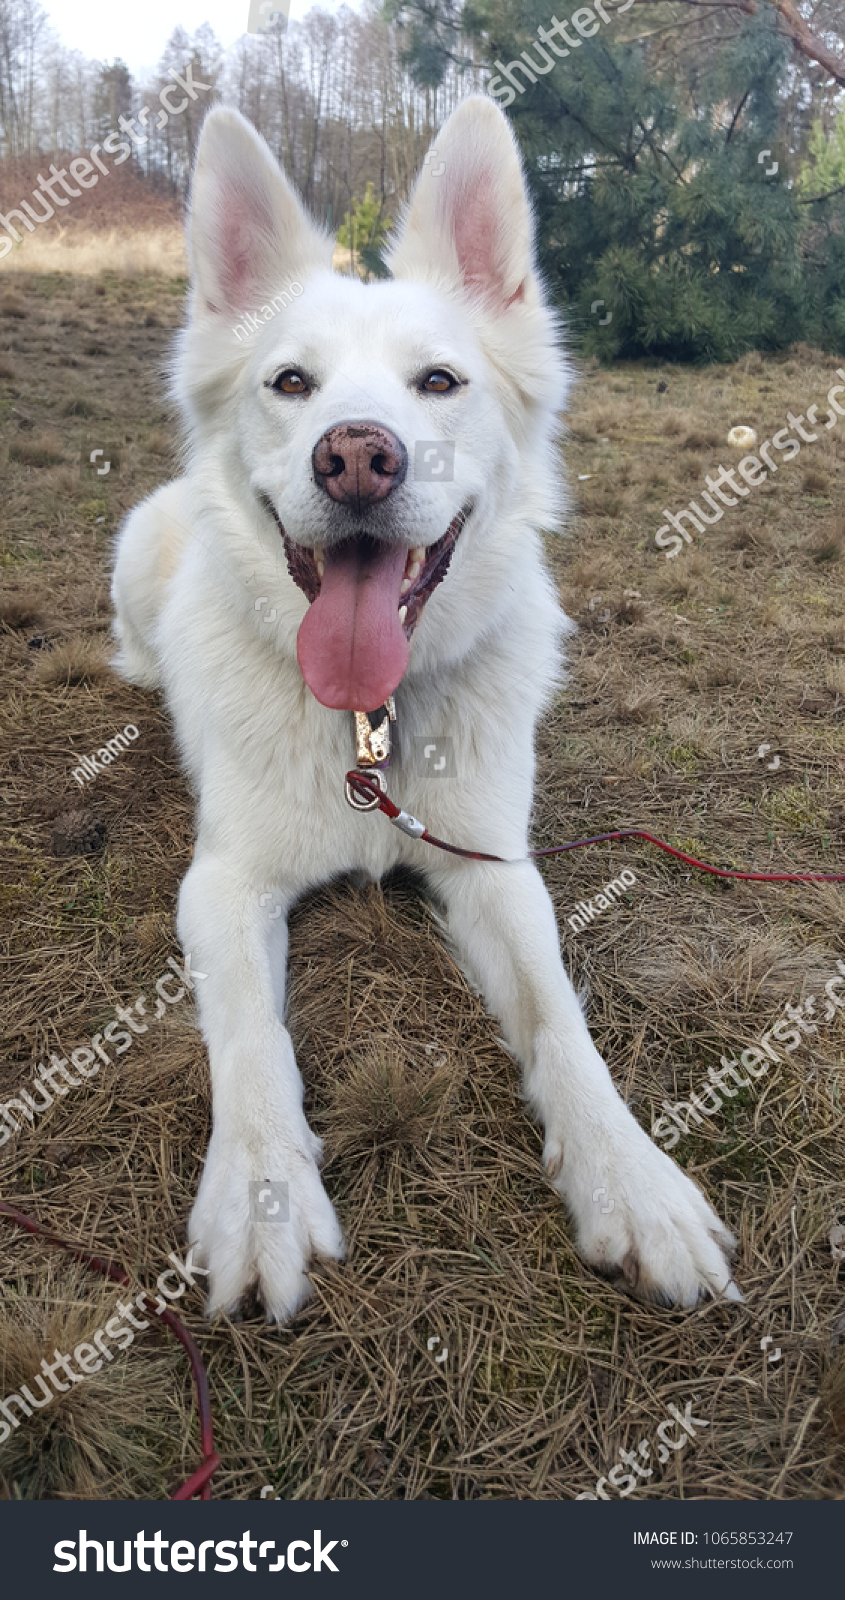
<point>351,646</point>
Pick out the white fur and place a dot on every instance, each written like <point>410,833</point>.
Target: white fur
<point>268,761</point>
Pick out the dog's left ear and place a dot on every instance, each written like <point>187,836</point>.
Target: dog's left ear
<point>248,234</point>
<point>469,218</point>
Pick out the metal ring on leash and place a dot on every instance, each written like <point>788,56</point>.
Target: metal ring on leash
<point>358,802</point>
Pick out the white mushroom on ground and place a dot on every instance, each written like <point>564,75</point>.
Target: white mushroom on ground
<point>742,438</point>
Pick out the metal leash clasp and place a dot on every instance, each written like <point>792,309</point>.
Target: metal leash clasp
<point>372,750</point>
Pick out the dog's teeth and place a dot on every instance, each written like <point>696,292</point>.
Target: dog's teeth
<point>406,584</point>
<point>403,612</point>
<point>416,557</point>
<point>319,561</point>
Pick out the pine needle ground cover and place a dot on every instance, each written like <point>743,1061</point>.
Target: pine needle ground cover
<point>681,672</point>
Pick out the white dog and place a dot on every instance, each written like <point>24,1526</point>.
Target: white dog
<point>357,444</point>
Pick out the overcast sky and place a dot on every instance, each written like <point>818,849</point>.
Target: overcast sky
<point>138,32</point>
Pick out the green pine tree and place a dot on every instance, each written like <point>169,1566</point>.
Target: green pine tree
<point>668,223</point>
<point>824,170</point>
<point>112,97</point>
<point>363,233</point>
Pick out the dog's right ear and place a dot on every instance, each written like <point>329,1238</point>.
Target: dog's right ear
<point>469,219</point>
<point>247,231</point>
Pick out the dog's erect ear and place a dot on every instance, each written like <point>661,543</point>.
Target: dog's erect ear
<point>247,231</point>
<point>469,217</point>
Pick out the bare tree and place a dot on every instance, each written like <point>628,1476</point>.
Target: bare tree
<point>23,28</point>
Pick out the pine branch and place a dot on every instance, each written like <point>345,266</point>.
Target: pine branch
<point>801,35</point>
<point>658,151</point>
<point>736,115</point>
<point>816,198</point>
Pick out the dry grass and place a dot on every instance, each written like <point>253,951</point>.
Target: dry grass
<point>74,662</point>
<point>127,251</point>
<point>67,1448</point>
<point>680,672</point>
<point>123,225</point>
<point>89,252</point>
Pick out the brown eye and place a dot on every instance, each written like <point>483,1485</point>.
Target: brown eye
<point>438,382</point>
<point>291,382</point>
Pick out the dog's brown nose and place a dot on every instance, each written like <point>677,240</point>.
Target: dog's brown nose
<point>358,463</point>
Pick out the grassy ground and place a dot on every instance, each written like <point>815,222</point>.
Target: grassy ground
<point>681,670</point>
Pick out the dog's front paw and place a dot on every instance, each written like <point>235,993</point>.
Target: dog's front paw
<point>641,1220</point>
<point>258,1222</point>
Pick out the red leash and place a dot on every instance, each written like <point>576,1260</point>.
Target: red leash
<point>367,788</point>
<point>200,1481</point>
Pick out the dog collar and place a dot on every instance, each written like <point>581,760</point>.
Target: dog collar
<point>372,750</point>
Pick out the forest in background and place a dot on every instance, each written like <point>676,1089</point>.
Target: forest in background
<point>330,95</point>
<point>686,157</point>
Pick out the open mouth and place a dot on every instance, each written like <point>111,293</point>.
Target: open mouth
<point>366,598</point>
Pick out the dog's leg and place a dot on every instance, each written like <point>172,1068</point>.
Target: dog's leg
<point>636,1215</point>
<point>260,1139</point>
<point>151,545</point>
